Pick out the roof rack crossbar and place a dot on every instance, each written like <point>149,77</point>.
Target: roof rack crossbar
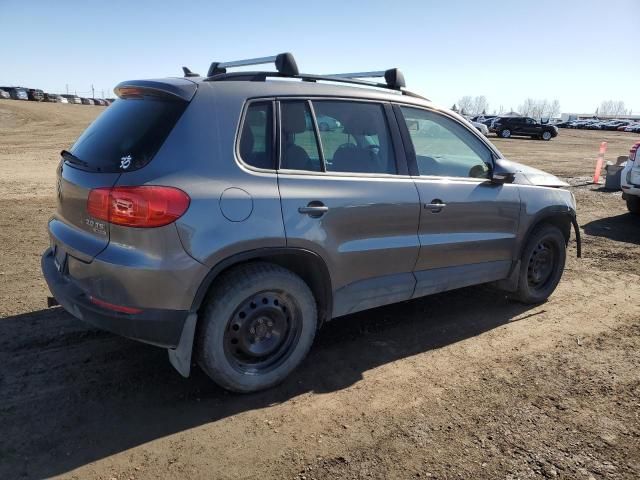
<point>376,74</point>
<point>248,61</point>
<point>285,64</point>
<point>393,77</point>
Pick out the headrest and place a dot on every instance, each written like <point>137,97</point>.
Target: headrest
<point>293,117</point>
<point>361,123</point>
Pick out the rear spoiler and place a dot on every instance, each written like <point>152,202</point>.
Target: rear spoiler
<point>175,87</point>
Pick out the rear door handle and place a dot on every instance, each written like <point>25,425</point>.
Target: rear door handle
<point>314,209</point>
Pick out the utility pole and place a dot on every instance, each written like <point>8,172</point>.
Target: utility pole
<point>67,86</point>
<point>92,92</point>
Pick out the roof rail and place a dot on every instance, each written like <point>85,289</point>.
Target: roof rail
<point>393,77</point>
<point>285,64</point>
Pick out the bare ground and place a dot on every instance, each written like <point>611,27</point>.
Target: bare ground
<point>458,385</point>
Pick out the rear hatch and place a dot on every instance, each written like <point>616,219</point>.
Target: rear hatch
<point>125,137</point>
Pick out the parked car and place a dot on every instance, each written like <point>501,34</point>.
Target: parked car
<point>4,94</point>
<point>16,93</point>
<point>72,98</point>
<point>482,128</point>
<point>583,123</point>
<point>35,94</point>
<point>236,259</point>
<point>506,127</point>
<point>86,101</point>
<point>62,99</point>
<point>630,180</point>
<point>595,125</point>
<point>613,125</point>
<point>635,128</point>
<point>98,101</point>
<point>52,97</point>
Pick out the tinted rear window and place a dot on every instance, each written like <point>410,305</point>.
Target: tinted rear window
<point>128,134</point>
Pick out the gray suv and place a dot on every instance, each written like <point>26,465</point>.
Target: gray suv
<point>213,217</point>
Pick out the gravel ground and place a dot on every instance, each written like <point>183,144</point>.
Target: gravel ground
<point>458,385</point>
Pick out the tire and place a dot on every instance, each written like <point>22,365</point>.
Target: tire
<point>506,133</point>
<point>546,136</point>
<point>633,204</point>
<point>258,325</point>
<point>541,265</point>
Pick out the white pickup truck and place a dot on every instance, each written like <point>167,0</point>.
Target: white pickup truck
<point>630,180</point>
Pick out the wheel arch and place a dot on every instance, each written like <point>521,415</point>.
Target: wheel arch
<point>306,264</point>
<point>561,217</point>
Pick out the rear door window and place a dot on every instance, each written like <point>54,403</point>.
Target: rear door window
<point>300,149</point>
<point>127,135</point>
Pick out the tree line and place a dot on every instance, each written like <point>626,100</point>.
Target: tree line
<point>532,107</point>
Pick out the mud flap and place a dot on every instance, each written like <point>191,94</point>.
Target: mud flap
<point>576,230</point>
<point>510,284</point>
<point>180,357</point>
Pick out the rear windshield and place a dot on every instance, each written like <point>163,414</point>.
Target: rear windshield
<point>127,135</point>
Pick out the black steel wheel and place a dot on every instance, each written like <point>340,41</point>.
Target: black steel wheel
<point>258,324</point>
<point>541,264</point>
<point>262,332</point>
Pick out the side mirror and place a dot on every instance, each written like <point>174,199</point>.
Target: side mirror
<point>500,178</point>
<point>500,174</point>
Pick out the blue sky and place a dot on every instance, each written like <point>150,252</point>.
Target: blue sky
<point>580,52</point>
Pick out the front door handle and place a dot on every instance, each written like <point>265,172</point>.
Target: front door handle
<point>314,209</point>
<point>435,206</point>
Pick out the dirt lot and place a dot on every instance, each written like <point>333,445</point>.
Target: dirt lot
<point>458,385</point>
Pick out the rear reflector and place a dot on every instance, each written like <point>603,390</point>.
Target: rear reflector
<point>145,206</point>
<point>111,306</point>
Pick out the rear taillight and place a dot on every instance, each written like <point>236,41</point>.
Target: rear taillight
<point>145,206</point>
<point>634,151</point>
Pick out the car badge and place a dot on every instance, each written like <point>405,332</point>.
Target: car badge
<point>125,162</point>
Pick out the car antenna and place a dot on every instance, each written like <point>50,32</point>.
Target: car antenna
<point>189,73</point>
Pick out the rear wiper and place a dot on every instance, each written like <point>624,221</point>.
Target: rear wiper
<point>70,157</point>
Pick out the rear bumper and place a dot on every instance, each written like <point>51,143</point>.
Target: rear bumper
<point>629,188</point>
<point>155,326</point>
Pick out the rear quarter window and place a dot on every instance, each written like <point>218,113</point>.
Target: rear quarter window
<point>128,134</point>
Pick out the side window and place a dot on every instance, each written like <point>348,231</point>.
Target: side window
<point>300,149</point>
<point>444,147</point>
<point>256,145</point>
<point>355,137</point>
